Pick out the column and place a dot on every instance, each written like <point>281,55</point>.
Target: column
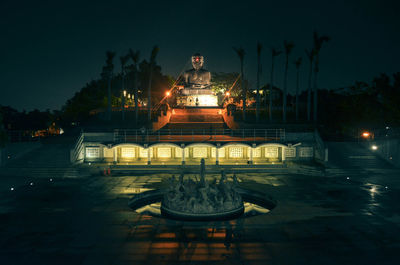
<point>115,155</point>
<point>183,153</point>
<point>148,154</point>
<point>217,154</point>
<point>251,153</point>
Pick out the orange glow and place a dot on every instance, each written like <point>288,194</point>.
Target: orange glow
<point>168,93</point>
<point>227,94</point>
<point>365,134</point>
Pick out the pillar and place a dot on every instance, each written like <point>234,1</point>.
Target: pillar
<point>148,154</point>
<point>217,154</point>
<point>115,155</point>
<point>183,153</point>
<point>251,153</point>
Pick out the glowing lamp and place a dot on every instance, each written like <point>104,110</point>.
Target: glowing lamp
<point>374,147</point>
<point>365,134</point>
<point>227,94</point>
<point>124,93</point>
<point>168,93</point>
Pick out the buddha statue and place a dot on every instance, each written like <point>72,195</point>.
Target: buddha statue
<point>197,77</point>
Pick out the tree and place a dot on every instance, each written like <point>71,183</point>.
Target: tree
<point>318,41</point>
<point>275,53</point>
<point>288,46</point>
<point>135,58</point>
<point>153,56</point>
<point>108,75</point>
<point>240,53</point>
<point>297,64</point>
<point>310,56</point>
<point>259,48</point>
<point>124,60</point>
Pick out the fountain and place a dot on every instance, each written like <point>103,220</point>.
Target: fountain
<point>202,200</point>
<point>190,199</point>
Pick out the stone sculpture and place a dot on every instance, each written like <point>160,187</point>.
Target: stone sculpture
<point>202,197</point>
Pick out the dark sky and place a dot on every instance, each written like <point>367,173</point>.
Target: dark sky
<point>50,49</point>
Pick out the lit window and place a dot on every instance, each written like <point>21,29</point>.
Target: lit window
<point>164,152</point>
<point>271,152</point>
<point>236,152</point>
<point>199,152</point>
<point>290,152</point>
<point>128,152</point>
<point>92,152</point>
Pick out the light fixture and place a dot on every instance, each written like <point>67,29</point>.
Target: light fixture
<point>365,134</point>
<point>374,147</point>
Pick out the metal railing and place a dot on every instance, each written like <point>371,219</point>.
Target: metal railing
<point>199,135</point>
<point>78,148</point>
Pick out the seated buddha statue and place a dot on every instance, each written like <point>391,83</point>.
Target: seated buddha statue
<point>197,77</point>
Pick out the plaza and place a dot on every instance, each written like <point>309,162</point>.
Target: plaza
<point>340,215</point>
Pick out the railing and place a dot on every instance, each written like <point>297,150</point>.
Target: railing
<point>78,148</point>
<point>199,135</point>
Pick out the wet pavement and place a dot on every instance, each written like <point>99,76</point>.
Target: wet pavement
<point>333,219</point>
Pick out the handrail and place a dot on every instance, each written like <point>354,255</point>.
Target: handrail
<point>78,147</point>
<point>211,134</point>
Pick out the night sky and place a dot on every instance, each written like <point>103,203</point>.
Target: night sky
<point>51,49</point>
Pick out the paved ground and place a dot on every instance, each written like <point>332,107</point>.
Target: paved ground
<point>343,217</point>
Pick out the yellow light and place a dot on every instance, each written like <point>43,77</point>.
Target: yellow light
<point>365,134</point>
<point>227,94</point>
<point>124,93</point>
<point>374,147</point>
<point>168,93</point>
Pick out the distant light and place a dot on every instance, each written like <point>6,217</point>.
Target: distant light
<point>90,163</point>
<point>374,147</point>
<point>347,178</point>
<point>227,94</point>
<point>386,187</point>
<point>387,127</point>
<point>61,131</point>
<point>51,180</point>
<point>168,93</point>
<point>12,188</point>
<point>365,134</point>
<point>124,93</point>
<point>31,183</point>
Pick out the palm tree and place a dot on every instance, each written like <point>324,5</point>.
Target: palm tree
<point>153,56</point>
<point>310,56</point>
<point>288,46</point>
<point>275,53</point>
<point>124,60</point>
<point>318,41</point>
<point>240,52</point>
<point>297,63</point>
<point>259,48</point>
<point>135,58</point>
<point>108,73</point>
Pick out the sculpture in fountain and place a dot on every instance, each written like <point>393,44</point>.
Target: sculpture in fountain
<point>192,199</point>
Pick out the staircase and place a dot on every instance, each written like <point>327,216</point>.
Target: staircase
<point>50,160</point>
<point>196,118</point>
